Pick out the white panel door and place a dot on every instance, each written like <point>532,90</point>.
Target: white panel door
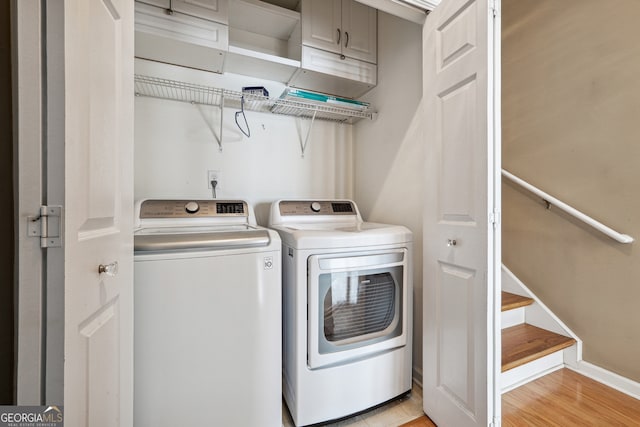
<point>461,241</point>
<point>98,377</point>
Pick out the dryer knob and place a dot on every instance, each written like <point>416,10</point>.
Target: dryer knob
<point>315,206</point>
<point>192,207</point>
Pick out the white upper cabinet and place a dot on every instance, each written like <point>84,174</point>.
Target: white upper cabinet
<point>213,10</point>
<point>345,27</point>
<point>190,33</point>
<point>328,46</point>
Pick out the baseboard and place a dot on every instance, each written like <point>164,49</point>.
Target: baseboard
<point>417,375</point>
<point>608,378</point>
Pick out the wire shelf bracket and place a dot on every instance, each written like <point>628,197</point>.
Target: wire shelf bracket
<point>303,146</point>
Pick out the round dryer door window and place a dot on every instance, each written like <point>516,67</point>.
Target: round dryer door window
<point>356,305</point>
<point>359,307</point>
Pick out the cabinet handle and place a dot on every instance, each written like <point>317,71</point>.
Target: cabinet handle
<point>346,43</point>
<point>339,35</point>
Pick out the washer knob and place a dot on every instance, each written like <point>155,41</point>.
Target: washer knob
<point>315,206</point>
<point>192,207</point>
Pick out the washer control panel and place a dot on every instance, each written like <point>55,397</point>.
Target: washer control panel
<point>192,208</point>
<point>316,207</point>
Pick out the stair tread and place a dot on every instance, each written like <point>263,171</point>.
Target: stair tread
<point>512,301</point>
<point>524,343</point>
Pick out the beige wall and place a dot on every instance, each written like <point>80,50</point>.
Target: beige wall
<point>571,126</point>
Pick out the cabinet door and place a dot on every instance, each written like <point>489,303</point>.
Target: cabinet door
<point>180,39</point>
<point>359,28</point>
<point>214,10</point>
<point>321,24</point>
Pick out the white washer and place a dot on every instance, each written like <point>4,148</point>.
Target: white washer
<point>347,309</point>
<point>207,316</point>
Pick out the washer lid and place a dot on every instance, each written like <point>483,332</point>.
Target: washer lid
<point>158,240</point>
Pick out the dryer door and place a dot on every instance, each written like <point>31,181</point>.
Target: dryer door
<point>357,305</point>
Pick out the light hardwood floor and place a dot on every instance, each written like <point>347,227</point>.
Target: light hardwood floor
<point>423,421</point>
<point>565,398</point>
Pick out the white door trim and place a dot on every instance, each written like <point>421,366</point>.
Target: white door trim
<point>54,196</point>
<point>27,88</point>
<point>495,168</point>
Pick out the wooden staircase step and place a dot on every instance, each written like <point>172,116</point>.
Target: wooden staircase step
<point>512,301</point>
<point>523,343</point>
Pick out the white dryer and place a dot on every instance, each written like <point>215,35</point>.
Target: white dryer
<point>347,309</point>
<point>207,326</point>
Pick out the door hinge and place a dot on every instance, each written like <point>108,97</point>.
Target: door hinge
<point>494,218</point>
<point>47,226</point>
<point>495,7</point>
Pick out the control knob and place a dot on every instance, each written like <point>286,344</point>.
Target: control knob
<point>315,206</point>
<point>192,207</point>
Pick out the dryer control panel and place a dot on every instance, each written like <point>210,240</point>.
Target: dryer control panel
<point>317,207</point>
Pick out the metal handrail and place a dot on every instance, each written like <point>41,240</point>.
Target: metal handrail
<point>619,237</point>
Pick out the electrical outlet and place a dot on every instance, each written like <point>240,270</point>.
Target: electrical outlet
<point>213,175</point>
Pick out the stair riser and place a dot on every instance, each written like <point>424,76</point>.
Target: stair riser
<point>513,317</point>
<point>530,371</point>
<point>517,341</point>
<point>538,314</point>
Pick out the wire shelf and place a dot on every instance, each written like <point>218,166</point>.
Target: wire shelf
<point>155,87</point>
